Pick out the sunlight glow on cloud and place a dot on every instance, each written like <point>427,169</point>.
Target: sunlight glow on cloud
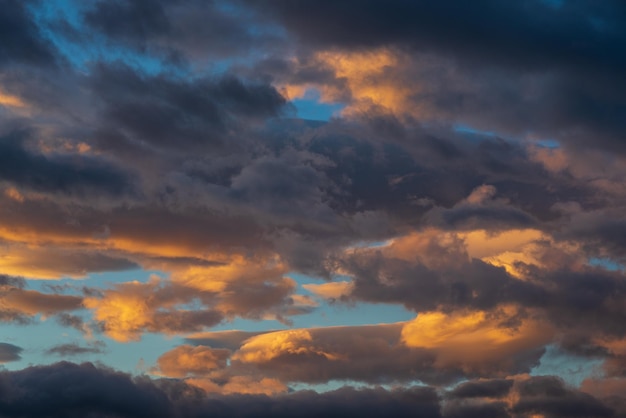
<point>356,208</point>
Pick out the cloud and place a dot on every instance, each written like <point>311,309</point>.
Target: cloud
<point>24,41</point>
<point>197,298</point>
<point>51,262</point>
<point>496,388</point>
<point>186,360</point>
<point>167,113</point>
<point>18,304</point>
<point>71,349</point>
<point>548,394</point>
<point>331,290</point>
<point>72,390</point>
<point>474,176</point>
<point>131,308</point>
<point>458,63</point>
<point>9,352</point>
<point>180,32</point>
<point>60,174</point>
<point>425,349</point>
<point>477,341</point>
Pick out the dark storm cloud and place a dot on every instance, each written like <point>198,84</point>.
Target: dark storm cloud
<point>550,396</point>
<point>588,300</point>
<point>11,282</point>
<point>408,176</point>
<point>547,396</point>
<point>575,33</point>
<point>181,114</point>
<point>9,352</point>
<point>22,41</point>
<point>70,390</point>
<point>556,70</point>
<point>129,19</point>
<point>474,217</point>
<point>581,345</point>
<point>181,31</point>
<point>73,175</point>
<point>213,180</point>
<point>572,38</point>
<point>470,283</point>
<point>477,410</point>
<point>497,388</point>
<point>603,232</point>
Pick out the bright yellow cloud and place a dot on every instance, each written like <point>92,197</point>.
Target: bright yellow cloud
<point>481,243</point>
<point>188,360</point>
<point>330,290</point>
<point>473,338</point>
<point>369,78</point>
<point>124,313</point>
<point>265,347</point>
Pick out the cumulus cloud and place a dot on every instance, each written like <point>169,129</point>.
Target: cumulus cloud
<point>433,348</point>
<point>473,173</point>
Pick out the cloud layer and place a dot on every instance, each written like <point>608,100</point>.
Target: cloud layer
<point>165,169</point>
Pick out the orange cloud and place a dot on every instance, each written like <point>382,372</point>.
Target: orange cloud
<point>53,262</point>
<point>368,78</point>
<point>249,288</point>
<point>474,339</point>
<point>187,360</point>
<point>207,368</point>
<point>17,303</point>
<point>247,385</point>
<point>266,347</point>
<point>131,308</point>
<point>431,247</point>
<point>331,290</point>
<point>433,352</point>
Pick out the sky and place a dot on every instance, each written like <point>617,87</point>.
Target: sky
<point>304,208</point>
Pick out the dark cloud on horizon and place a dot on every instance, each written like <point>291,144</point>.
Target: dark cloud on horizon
<point>72,390</point>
